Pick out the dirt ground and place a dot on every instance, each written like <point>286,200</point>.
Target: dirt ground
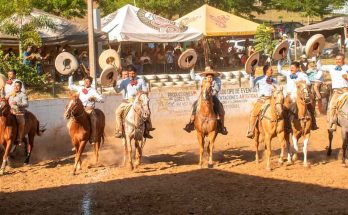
<point>170,182</point>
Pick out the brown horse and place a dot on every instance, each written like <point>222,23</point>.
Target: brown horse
<point>206,122</point>
<point>321,91</point>
<point>8,134</point>
<point>79,127</point>
<point>300,120</point>
<point>270,125</point>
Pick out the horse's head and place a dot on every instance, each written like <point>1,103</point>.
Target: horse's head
<point>278,98</point>
<point>206,90</point>
<point>303,91</point>
<point>142,103</point>
<point>73,106</point>
<point>4,107</point>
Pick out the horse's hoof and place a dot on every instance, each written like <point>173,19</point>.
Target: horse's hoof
<point>73,174</point>
<point>343,164</point>
<point>306,165</point>
<point>2,172</point>
<point>268,169</point>
<point>294,157</point>
<point>289,163</point>
<point>281,161</point>
<point>210,165</point>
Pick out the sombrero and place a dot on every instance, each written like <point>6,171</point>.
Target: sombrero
<point>187,59</point>
<point>315,44</point>
<point>108,75</point>
<point>252,61</point>
<point>3,80</point>
<point>109,56</point>
<point>280,51</point>
<point>66,63</point>
<point>209,71</point>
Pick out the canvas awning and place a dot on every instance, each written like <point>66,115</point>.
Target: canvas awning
<point>130,23</point>
<point>214,22</point>
<point>66,32</point>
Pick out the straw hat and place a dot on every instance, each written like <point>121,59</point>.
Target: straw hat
<point>280,51</point>
<point>208,71</point>
<point>187,59</point>
<point>108,75</point>
<point>66,63</point>
<point>3,80</point>
<point>109,56</point>
<point>315,44</point>
<point>304,56</point>
<point>252,61</point>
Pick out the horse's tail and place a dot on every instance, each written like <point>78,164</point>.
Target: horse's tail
<point>40,129</point>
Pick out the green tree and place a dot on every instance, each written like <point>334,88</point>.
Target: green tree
<point>65,8</point>
<point>264,41</point>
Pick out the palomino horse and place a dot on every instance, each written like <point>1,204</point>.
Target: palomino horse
<point>79,127</point>
<point>134,127</point>
<point>342,121</point>
<point>8,132</point>
<point>270,125</point>
<point>206,122</point>
<point>300,121</point>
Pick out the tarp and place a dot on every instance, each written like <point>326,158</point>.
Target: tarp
<point>66,32</point>
<point>214,22</point>
<point>327,28</point>
<point>130,23</point>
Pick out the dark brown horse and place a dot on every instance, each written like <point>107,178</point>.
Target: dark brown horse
<point>206,122</point>
<point>8,132</point>
<point>79,127</point>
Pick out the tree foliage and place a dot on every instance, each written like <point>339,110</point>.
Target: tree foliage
<point>264,41</point>
<point>65,8</point>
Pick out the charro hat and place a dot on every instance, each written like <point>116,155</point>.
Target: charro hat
<point>108,75</point>
<point>252,61</point>
<point>315,44</point>
<point>66,63</point>
<point>208,71</point>
<point>187,59</point>
<point>109,56</point>
<point>280,51</point>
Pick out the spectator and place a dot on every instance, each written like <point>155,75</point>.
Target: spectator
<point>39,61</point>
<point>28,57</point>
<point>178,48</point>
<point>161,61</point>
<point>146,62</point>
<point>169,58</point>
<point>137,63</point>
<point>9,54</point>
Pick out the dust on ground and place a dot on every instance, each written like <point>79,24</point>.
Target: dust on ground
<point>170,182</point>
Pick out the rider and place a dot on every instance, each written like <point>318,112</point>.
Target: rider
<point>293,76</point>
<point>315,76</point>
<point>129,88</point>
<point>88,96</point>
<point>264,84</point>
<point>10,83</point>
<point>211,76</point>
<point>18,101</point>
<point>339,80</point>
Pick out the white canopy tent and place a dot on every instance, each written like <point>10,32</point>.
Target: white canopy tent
<point>132,24</point>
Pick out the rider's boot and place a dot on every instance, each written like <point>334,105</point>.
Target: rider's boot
<point>251,127</point>
<point>314,125</point>
<point>190,126</point>
<point>148,127</point>
<point>118,134</point>
<point>221,125</point>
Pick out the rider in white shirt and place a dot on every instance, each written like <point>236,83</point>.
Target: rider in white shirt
<point>292,76</point>
<point>88,96</point>
<point>339,80</point>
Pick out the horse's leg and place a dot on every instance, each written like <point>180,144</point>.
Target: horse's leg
<point>125,151</point>
<point>200,139</point>
<point>268,151</point>
<point>257,142</point>
<point>329,150</point>
<point>30,146</point>
<point>281,138</point>
<point>96,151</point>
<point>212,137</point>
<point>305,148</point>
<point>138,153</point>
<point>344,136</point>
<point>295,137</point>
<point>7,145</point>
<point>130,152</point>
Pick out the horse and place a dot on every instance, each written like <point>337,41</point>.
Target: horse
<point>342,121</point>
<point>206,122</point>
<point>79,128</point>
<point>134,128</point>
<point>9,128</point>
<point>300,122</point>
<point>270,125</point>
<point>321,91</point>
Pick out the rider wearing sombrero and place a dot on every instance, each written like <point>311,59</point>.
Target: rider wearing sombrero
<point>264,84</point>
<point>213,77</point>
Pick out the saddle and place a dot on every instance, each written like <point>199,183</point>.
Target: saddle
<point>124,114</point>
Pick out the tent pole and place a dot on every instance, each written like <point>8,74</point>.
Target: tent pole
<point>206,51</point>
<point>91,42</point>
<point>344,39</point>
<point>295,39</point>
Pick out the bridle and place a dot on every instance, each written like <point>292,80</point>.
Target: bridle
<point>72,111</point>
<point>304,96</point>
<point>4,108</point>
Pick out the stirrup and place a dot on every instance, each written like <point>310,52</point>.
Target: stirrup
<point>118,135</point>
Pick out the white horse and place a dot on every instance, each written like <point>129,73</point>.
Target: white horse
<point>134,127</point>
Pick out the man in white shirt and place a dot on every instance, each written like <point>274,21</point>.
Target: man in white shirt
<point>339,80</point>
<point>10,83</point>
<point>264,84</point>
<point>292,76</point>
<point>88,96</point>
